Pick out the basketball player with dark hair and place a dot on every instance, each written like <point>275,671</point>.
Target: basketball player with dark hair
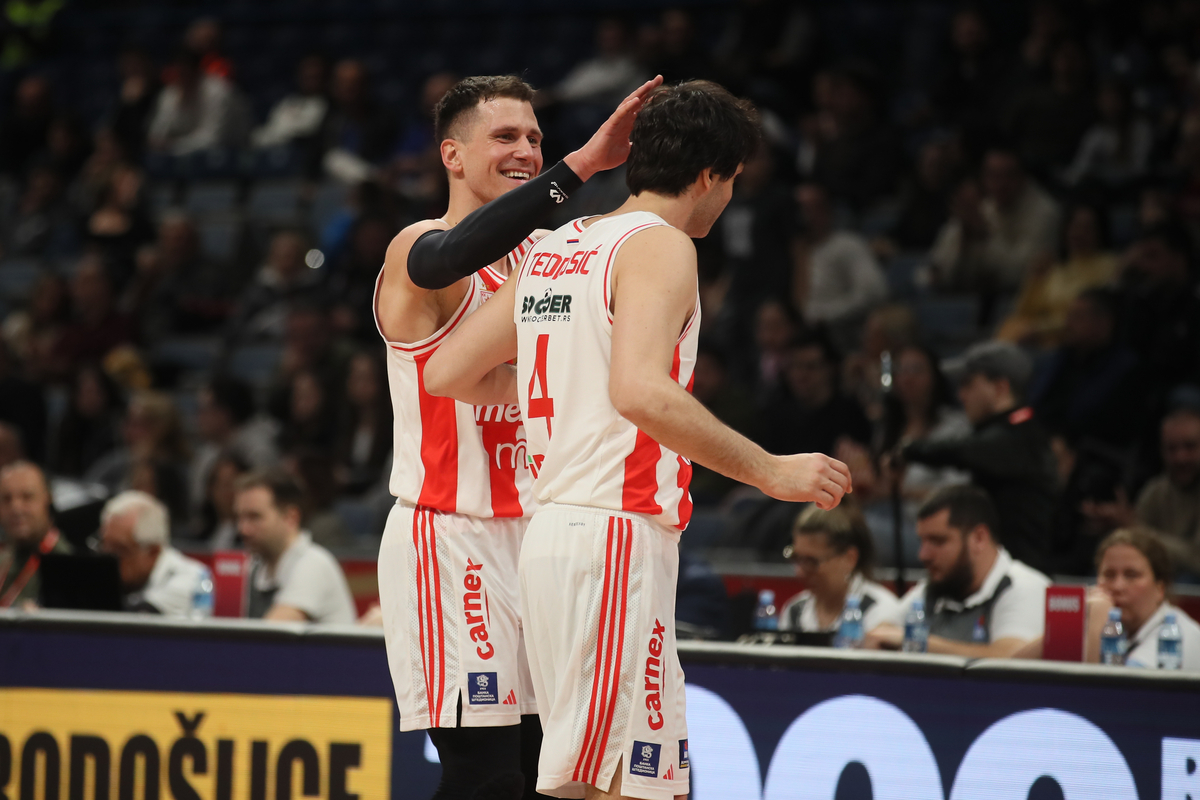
<point>603,320</point>
<point>448,560</point>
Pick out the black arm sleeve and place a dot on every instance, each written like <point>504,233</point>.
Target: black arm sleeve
<point>439,258</point>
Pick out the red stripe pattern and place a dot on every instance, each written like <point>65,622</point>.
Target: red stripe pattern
<point>429,612</point>
<point>439,446</point>
<point>610,650</point>
<point>641,468</point>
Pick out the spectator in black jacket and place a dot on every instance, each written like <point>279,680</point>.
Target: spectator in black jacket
<point>1008,454</point>
<point>808,413</point>
<point>1161,306</point>
<point>1090,386</point>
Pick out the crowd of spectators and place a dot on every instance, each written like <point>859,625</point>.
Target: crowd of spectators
<point>186,278</point>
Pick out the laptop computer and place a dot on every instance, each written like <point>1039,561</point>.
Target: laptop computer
<point>81,582</point>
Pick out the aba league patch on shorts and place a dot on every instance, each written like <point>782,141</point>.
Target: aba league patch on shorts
<point>645,759</point>
<point>683,754</point>
<point>481,687</point>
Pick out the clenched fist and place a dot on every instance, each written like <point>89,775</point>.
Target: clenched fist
<point>809,477</point>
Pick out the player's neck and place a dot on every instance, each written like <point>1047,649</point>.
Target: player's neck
<point>457,210</point>
<point>462,202</point>
<point>675,211</point>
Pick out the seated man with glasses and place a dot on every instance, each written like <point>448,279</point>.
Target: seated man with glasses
<point>833,554</point>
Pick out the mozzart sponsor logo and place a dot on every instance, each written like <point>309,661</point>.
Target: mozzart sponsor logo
<point>141,745</point>
<point>1002,763</point>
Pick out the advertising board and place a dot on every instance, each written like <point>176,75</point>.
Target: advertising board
<point>241,711</point>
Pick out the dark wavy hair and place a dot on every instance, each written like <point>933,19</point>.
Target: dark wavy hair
<point>686,129</point>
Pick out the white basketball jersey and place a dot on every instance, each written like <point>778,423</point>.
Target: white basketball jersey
<point>581,451</point>
<point>447,455</point>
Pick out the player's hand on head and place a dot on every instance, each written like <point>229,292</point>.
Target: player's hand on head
<point>609,145</point>
<point>810,477</point>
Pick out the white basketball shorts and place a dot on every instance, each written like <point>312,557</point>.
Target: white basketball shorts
<point>598,604</point>
<point>451,619</point>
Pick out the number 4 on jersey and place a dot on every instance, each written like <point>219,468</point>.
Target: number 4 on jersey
<point>541,406</point>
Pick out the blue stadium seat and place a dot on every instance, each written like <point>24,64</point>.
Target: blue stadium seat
<point>17,277</point>
<point>216,197</point>
<point>255,363</point>
<point>879,219</point>
<point>948,321</point>
<point>275,201</point>
<point>188,404</point>
<point>273,162</point>
<point>162,196</point>
<point>190,353</point>
<point>705,530</point>
<point>340,39</point>
<point>1122,224</point>
<point>901,273</point>
<point>219,238</point>
<point>357,516</point>
<point>329,202</point>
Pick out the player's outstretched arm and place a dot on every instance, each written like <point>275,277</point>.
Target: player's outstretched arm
<point>440,257</point>
<point>654,291</point>
<point>472,364</point>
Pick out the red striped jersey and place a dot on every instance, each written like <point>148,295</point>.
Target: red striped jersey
<point>581,451</point>
<point>448,455</point>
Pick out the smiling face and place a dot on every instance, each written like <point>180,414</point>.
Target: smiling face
<point>495,148</point>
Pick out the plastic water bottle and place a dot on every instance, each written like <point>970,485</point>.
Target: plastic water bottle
<point>765,616</point>
<point>1112,640</point>
<point>1170,644</point>
<point>202,597</point>
<point>850,632</point>
<point>916,629</point>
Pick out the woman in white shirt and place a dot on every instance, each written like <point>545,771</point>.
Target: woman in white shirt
<point>1133,569</point>
<point>1133,573</point>
<point>833,554</point>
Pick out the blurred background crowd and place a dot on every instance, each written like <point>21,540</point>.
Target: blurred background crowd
<point>195,202</point>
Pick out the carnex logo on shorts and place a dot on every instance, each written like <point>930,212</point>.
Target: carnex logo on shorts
<point>473,609</point>
<point>654,678</point>
<point>481,687</point>
<point>644,760</point>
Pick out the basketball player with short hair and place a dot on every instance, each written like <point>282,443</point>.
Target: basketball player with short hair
<point>603,319</point>
<point>448,560</point>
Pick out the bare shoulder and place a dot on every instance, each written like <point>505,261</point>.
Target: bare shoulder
<point>662,241</point>
<point>667,251</point>
<point>406,312</point>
